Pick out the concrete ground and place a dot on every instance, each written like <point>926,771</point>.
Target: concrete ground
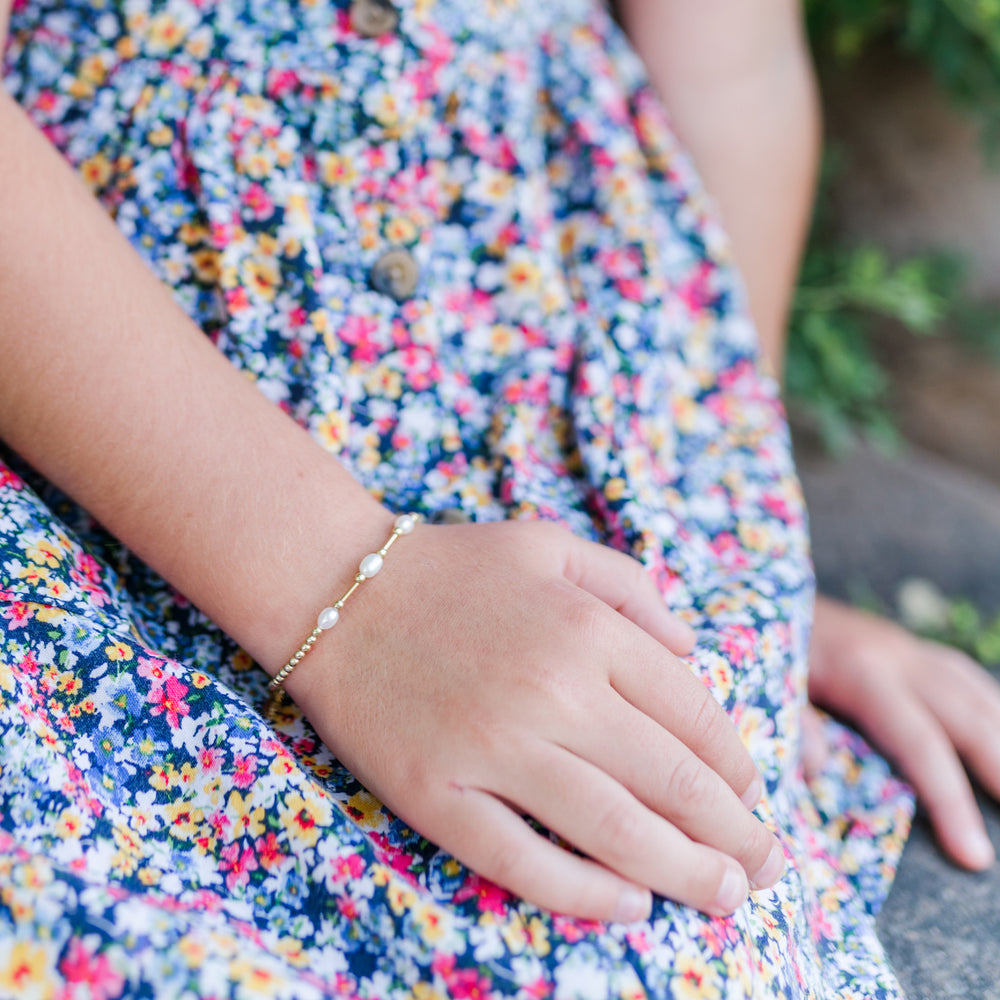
<point>876,521</point>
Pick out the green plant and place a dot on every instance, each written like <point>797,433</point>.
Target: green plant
<point>958,40</point>
<point>835,381</point>
<point>954,621</point>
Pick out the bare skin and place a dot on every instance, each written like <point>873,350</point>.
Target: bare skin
<point>748,113</point>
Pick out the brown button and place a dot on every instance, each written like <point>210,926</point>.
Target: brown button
<point>371,18</point>
<point>395,274</point>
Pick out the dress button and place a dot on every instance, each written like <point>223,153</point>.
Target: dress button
<point>395,274</point>
<point>371,18</point>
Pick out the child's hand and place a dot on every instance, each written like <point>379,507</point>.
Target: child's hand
<point>500,670</point>
<point>923,704</point>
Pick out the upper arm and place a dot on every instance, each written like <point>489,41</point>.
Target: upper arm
<point>5,8</point>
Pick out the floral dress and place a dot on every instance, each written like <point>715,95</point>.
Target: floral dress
<point>458,242</point>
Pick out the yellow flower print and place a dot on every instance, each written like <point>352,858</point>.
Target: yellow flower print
<point>257,165</point>
<point>694,979</point>
<point>79,88</point>
<point>262,275</point>
<point>292,951</point>
<point>256,980</point>
<point>303,819</point>
<point>424,991</point>
<point>385,382</point>
<point>401,898</point>
<point>246,818</point>
<point>504,339</point>
<point>35,575</point>
<point>182,820</point>
<point>119,651</point>
<point>93,70</point>
<point>150,876</point>
<point>366,810</point>
<point>162,777</point>
<point>165,33</point>
<point>337,169</point>
<point>267,245</point>
<point>162,135</point>
<point>27,972</point>
<point>332,432</point>
<point>205,264</point>
<point>523,276</point>
<point>400,230</point>
<point>69,825</point>
<point>614,489</point>
<point>755,537</point>
<point>430,922</point>
<point>45,553</point>
<point>192,950</point>
<point>126,48</point>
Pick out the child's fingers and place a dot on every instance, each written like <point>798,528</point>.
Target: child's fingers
<point>966,700</point>
<point>591,810</point>
<point>906,730</point>
<point>663,774</point>
<point>623,583</point>
<point>487,836</point>
<point>672,696</point>
<point>815,749</point>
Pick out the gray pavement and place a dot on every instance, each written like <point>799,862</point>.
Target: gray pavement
<point>876,521</point>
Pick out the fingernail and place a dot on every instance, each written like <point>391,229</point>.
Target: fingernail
<point>978,848</point>
<point>771,870</point>
<point>752,795</point>
<point>633,904</point>
<point>733,891</point>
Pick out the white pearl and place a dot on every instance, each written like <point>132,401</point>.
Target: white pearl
<point>371,564</point>
<point>328,617</point>
<point>405,523</point>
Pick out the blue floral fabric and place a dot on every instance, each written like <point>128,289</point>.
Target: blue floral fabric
<point>574,346</point>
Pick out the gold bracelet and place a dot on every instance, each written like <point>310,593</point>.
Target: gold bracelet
<point>329,617</point>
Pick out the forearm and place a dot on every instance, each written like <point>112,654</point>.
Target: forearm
<point>738,84</point>
<point>113,393</point>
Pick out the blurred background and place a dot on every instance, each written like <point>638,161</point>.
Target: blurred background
<point>893,372</point>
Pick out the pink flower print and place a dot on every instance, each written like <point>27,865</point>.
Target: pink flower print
<point>737,643</point>
<point>170,699</point>
<point>210,758</point>
<point>538,990</point>
<point>696,293</point>
<point>18,614</point>
<point>28,664</point>
<point>489,897</point>
<point>244,770</point>
<point>238,863</point>
<point>268,851</point>
<point>84,968</point>
<point>357,331</point>
<point>258,201</point>
<point>8,478</point>
<point>152,670</point>
<point>468,984</point>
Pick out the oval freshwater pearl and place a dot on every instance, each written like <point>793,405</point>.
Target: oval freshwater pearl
<point>405,523</point>
<point>328,617</point>
<point>371,564</point>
